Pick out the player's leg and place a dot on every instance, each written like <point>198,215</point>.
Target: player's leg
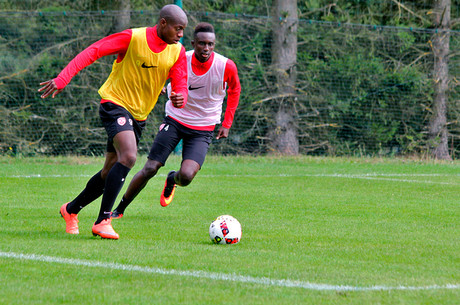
<point>126,146</point>
<point>93,190</point>
<point>188,170</point>
<point>124,133</point>
<point>194,150</point>
<point>164,143</point>
<point>195,147</point>
<point>110,159</point>
<point>136,185</point>
<point>94,187</point>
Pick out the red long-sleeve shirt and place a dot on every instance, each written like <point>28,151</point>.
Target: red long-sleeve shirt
<point>118,44</point>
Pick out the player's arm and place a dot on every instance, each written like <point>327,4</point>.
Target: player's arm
<point>114,44</point>
<point>233,97</point>
<point>178,76</point>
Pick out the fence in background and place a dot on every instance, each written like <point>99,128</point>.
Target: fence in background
<point>360,89</point>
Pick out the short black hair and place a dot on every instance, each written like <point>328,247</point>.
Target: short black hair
<point>203,27</point>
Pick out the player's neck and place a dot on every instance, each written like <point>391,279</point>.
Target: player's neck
<point>200,68</point>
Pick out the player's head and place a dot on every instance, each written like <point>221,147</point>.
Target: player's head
<point>204,40</point>
<point>171,23</point>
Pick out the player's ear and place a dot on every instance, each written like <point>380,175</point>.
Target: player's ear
<point>162,22</point>
<point>193,43</point>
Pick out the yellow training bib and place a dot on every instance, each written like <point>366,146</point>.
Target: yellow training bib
<point>136,82</point>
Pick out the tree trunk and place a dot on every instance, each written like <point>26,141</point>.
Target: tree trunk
<point>284,137</point>
<point>437,129</point>
<point>122,21</point>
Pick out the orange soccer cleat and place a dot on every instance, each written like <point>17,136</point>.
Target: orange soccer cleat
<point>168,191</point>
<point>71,220</point>
<point>104,229</point>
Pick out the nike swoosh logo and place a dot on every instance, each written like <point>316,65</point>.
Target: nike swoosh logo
<point>147,67</point>
<point>194,88</point>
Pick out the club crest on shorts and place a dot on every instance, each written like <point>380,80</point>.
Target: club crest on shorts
<point>121,121</point>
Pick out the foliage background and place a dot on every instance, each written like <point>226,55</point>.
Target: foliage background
<point>364,84</point>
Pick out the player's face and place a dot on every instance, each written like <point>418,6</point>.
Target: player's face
<point>204,45</point>
<point>171,32</point>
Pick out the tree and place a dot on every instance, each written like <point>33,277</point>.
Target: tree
<point>437,129</point>
<point>284,136</point>
<point>122,21</point>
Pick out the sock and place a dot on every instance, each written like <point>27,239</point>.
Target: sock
<point>94,188</point>
<point>171,179</point>
<point>123,205</point>
<point>113,184</point>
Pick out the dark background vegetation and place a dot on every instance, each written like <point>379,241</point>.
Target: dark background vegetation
<point>364,75</point>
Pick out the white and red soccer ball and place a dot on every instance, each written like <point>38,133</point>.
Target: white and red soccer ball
<point>225,230</point>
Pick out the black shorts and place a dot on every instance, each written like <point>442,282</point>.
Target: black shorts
<point>116,119</point>
<point>195,142</point>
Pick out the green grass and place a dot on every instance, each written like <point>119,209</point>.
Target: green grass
<point>341,222</point>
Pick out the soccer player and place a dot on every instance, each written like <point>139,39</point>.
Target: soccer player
<point>210,76</point>
<point>146,58</point>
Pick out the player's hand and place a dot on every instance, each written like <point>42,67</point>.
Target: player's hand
<point>163,91</point>
<point>49,87</point>
<point>177,99</point>
<point>222,133</point>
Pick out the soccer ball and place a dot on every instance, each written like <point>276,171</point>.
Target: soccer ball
<point>225,230</point>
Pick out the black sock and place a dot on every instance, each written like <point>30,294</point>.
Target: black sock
<point>171,179</point>
<point>123,205</point>
<point>113,184</point>
<point>94,188</point>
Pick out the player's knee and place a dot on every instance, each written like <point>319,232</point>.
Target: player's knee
<point>186,177</point>
<point>128,159</point>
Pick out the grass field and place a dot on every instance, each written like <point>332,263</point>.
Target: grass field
<point>315,231</point>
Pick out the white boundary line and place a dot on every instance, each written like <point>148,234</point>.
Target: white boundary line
<point>372,176</point>
<point>218,276</point>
